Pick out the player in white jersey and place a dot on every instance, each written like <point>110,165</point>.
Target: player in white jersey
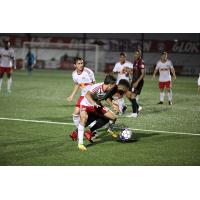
<point>123,69</point>
<point>7,63</point>
<point>199,83</point>
<point>83,78</point>
<point>165,66</point>
<point>91,103</point>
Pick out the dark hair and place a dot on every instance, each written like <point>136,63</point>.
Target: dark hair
<point>138,51</point>
<point>109,79</point>
<point>124,82</point>
<point>77,59</point>
<point>122,54</point>
<point>164,53</point>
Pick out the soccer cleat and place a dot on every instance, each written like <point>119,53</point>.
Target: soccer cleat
<point>113,134</point>
<point>73,135</point>
<point>170,103</point>
<point>160,102</point>
<point>88,134</point>
<point>82,147</point>
<point>140,108</point>
<point>132,115</point>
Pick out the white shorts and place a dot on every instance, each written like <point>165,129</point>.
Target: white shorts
<point>199,81</point>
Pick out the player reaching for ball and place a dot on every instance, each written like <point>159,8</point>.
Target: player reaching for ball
<point>91,103</point>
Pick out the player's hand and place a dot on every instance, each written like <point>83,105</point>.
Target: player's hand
<point>70,98</point>
<point>174,78</point>
<point>153,77</point>
<point>115,106</point>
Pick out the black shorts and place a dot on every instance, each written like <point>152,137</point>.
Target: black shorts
<point>138,89</point>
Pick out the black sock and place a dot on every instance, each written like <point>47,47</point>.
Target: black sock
<point>100,123</point>
<point>135,105</point>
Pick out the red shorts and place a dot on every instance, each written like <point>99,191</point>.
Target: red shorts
<point>78,103</point>
<point>166,84</point>
<point>7,70</point>
<point>100,110</point>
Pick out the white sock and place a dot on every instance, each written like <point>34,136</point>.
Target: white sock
<point>137,98</point>
<point>121,103</point>
<point>1,81</point>
<point>9,83</point>
<point>169,94</point>
<point>162,95</point>
<point>76,120</point>
<point>80,133</point>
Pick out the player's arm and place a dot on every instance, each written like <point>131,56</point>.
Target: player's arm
<point>173,73</point>
<point>13,60</point>
<point>113,104</point>
<point>154,73</point>
<point>75,90</point>
<point>139,79</point>
<point>89,98</point>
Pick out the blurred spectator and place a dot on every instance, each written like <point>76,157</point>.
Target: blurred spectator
<point>30,61</point>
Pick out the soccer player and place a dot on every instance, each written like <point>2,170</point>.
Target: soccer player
<point>165,66</point>
<point>118,91</point>
<point>83,77</point>
<point>137,83</point>
<point>199,83</point>
<point>91,103</point>
<point>122,68</point>
<point>7,63</point>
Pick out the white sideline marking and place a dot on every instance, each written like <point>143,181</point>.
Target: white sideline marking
<point>71,124</point>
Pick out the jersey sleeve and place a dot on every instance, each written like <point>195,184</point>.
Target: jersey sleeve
<point>157,65</point>
<point>74,78</point>
<point>116,68</point>
<point>91,75</point>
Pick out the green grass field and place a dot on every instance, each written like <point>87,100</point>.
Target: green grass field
<point>42,97</point>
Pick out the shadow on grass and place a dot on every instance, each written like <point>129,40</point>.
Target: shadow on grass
<point>108,138</point>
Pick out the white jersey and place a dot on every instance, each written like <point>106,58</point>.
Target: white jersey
<point>164,70</point>
<point>97,94</point>
<point>84,80</point>
<point>199,81</point>
<point>6,57</point>
<point>119,68</point>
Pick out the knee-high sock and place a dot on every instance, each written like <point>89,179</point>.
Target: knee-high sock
<point>169,94</point>
<point>99,123</point>
<point>137,98</point>
<point>80,133</point>
<point>135,106</point>
<point>162,95</point>
<point>9,83</point>
<point>76,119</point>
<point>1,81</point>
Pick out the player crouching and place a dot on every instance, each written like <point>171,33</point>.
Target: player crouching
<point>91,104</point>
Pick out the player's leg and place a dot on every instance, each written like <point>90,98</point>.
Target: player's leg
<point>1,76</point>
<point>132,98</point>
<point>81,128</point>
<point>9,81</point>
<point>76,116</point>
<point>1,80</point>
<point>162,94</point>
<point>169,92</point>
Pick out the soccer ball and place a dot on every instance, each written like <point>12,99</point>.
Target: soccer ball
<point>125,134</point>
